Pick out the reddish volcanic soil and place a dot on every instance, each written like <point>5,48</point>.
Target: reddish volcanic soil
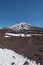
<point>31,47</point>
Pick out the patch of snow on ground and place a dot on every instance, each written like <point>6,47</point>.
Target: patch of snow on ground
<point>21,35</point>
<point>6,36</point>
<point>9,57</point>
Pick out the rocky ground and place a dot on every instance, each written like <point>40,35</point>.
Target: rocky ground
<point>31,47</point>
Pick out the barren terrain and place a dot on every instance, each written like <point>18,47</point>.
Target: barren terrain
<point>31,47</point>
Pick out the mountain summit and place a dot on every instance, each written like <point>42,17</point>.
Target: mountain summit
<point>24,26</point>
<point>20,26</point>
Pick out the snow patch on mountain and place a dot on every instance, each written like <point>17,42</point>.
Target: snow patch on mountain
<point>9,57</point>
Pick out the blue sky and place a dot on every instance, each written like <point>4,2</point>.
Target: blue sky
<point>16,11</point>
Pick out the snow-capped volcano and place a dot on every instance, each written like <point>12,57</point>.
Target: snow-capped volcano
<point>24,26</point>
<point>20,26</point>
